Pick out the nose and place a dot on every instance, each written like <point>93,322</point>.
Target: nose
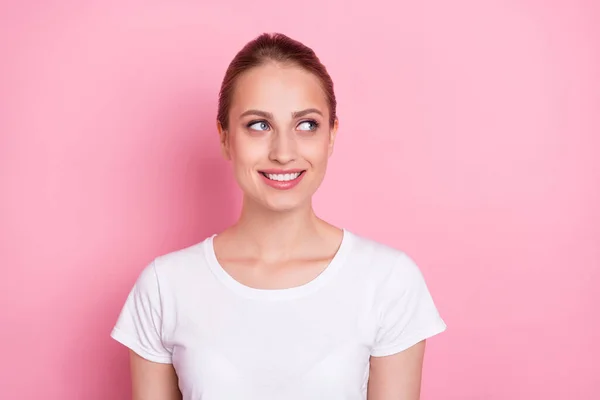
<point>283,147</point>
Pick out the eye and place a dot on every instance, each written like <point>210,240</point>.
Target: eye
<point>258,125</point>
<point>310,125</point>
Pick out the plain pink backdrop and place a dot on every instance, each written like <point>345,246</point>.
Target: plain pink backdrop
<point>469,138</point>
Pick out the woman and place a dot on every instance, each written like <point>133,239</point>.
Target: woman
<point>281,305</point>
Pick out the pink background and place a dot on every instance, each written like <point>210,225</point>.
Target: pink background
<point>469,138</point>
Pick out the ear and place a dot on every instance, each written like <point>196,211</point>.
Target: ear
<point>332,135</point>
<point>224,140</point>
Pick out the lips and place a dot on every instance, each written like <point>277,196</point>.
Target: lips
<point>282,179</point>
<point>282,176</point>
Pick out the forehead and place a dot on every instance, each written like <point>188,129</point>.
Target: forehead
<point>278,88</point>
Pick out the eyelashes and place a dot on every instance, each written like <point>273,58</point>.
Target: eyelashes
<point>315,124</point>
<point>259,124</point>
<point>309,125</point>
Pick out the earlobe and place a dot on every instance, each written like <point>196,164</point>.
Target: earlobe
<point>224,141</point>
<point>332,136</point>
<point>225,152</point>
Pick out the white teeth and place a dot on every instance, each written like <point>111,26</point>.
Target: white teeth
<point>283,177</point>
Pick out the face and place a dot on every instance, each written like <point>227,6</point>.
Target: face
<point>279,138</point>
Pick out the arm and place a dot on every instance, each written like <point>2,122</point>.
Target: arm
<point>140,328</point>
<point>407,317</point>
<point>398,376</point>
<point>152,381</point>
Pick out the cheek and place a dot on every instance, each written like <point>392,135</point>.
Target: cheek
<point>244,153</point>
<point>317,152</point>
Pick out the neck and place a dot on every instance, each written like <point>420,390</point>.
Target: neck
<point>276,234</point>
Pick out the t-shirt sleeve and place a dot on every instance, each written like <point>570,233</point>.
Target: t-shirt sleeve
<point>407,313</point>
<point>140,324</point>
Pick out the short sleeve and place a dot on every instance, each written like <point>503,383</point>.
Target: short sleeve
<point>140,323</point>
<point>407,313</point>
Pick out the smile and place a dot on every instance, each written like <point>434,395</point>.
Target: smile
<point>283,177</point>
<point>282,180</point>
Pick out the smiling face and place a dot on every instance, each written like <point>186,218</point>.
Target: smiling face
<point>279,138</point>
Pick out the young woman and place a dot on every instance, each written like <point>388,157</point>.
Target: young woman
<point>281,305</point>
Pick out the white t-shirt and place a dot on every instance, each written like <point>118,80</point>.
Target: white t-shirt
<point>229,341</point>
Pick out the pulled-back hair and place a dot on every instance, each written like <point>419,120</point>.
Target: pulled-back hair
<point>273,47</point>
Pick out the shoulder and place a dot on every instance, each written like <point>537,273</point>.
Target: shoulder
<point>382,260</point>
<point>176,265</point>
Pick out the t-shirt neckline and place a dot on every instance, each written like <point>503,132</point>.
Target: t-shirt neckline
<point>278,294</point>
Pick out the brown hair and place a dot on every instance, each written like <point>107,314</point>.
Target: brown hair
<point>275,47</point>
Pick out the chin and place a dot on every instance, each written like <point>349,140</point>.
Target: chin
<point>283,205</point>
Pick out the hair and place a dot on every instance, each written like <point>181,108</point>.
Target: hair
<point>279,48</point>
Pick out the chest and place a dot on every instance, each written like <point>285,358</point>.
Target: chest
<point>304,348</point>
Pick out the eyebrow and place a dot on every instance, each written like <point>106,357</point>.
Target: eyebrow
<point>299,114</point>
<point>268,115</point>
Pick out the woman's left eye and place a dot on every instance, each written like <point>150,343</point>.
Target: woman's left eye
<point>308,125</point>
